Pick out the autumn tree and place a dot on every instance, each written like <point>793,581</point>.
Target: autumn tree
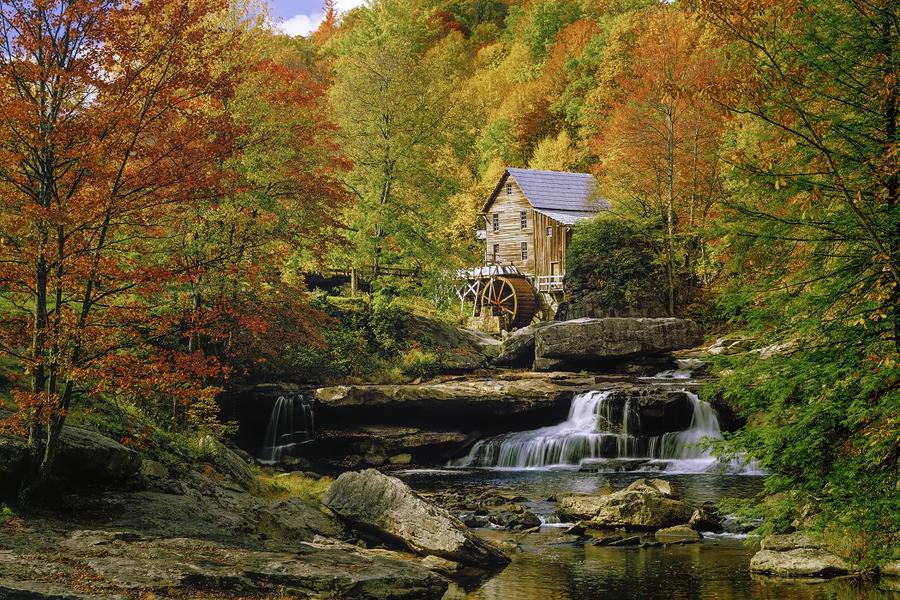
<point>111,123</point>
<point>392,97</point>
<point>658,139</point>
<point>242,252</point>
<point>814,231</point>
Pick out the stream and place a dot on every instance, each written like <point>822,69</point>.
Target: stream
<point>609,438</point>
<point>552,566</point>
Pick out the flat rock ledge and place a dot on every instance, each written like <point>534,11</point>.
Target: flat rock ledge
<point>583,342</point>
<point>796,555</point>
<point>387,507</point>
<point>495,395</point>
<point>123,565</point>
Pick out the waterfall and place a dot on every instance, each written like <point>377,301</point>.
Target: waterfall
<point>284,432</point>
<point>593,430</point>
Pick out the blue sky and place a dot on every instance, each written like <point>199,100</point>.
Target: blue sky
<point>299,17</point>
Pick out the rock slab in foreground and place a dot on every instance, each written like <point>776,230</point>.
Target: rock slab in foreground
<point>645,504</point>
<point>796,555</point>
<point>388,507</point>
<point>585,340</point>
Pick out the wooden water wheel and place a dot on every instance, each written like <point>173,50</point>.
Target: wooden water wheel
<point>512,298</point>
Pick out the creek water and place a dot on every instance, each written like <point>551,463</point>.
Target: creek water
<point>552,566</point>
<point>610,439</point>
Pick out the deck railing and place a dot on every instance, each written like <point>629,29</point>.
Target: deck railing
<point>549,283</point>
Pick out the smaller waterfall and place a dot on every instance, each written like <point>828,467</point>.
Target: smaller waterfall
<point>293,422</point>
<point>598,428</point>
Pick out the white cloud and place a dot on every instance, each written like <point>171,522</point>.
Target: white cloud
<point>304,24</point>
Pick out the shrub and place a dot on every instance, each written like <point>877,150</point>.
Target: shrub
<point>614,260</point>
<point>281,486</point>
<point>416,363</point>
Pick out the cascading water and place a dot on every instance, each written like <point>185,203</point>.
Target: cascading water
<point>284,432</point>
<point>595,430</point>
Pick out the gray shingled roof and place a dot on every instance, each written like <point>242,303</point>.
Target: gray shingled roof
<point>568,217</point>
<point>564,197</point>
<point>555,190</point>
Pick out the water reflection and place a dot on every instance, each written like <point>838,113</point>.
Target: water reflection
<point>552,567</point>
<point>705,571</point>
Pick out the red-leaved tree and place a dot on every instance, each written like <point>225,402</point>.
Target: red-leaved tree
<point>112,121</point>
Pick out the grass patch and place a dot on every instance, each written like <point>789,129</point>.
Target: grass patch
<point>6,514</point>
<point>281,486</point>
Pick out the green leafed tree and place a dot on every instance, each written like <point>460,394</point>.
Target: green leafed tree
<point>393,98</point>
<point>813,243</point>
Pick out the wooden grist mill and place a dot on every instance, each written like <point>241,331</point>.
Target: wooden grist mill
<point>528,222</point>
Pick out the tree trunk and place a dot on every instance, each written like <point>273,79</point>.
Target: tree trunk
<point>670,210</point>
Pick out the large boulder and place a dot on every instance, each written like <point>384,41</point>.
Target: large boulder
<point>518,349</point>
<point>645,504</point>
<point>12,461</point>
<point>796,555</point>
<point>227,462</point>
<point>89,456</point>
<point>388,508</point>
<point>83,457</point>
<point>585,342</point>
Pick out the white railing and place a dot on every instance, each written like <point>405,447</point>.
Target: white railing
<point>549,283</point>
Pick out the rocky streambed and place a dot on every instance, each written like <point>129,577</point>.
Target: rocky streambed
<point>210,532</point>
<point>566,485</point>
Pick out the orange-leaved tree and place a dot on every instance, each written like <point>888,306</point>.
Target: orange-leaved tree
<point>111,122</point>
<point>658,138</point>
<point>242,252</point>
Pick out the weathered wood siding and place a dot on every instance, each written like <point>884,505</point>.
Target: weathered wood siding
<point>549,250</point>
<point>510,235</point>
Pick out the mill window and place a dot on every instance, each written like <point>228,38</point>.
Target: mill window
<point>549,232</point>
<point>509,189</point>
<point>524,250</point>
<point>496,252</point>
<point>495,221</point>
<point>523,219</point>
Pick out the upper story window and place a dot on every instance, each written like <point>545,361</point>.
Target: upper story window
<point>523,219</point>
<point>524,247</point>
<point>549,232</point>
<point>495,221</point>
<point>508,189</point>
<point>496,252</point>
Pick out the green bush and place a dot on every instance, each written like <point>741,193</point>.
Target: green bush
<point>614,260</point>
<point>6,514</point>
<point>823,421</point>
